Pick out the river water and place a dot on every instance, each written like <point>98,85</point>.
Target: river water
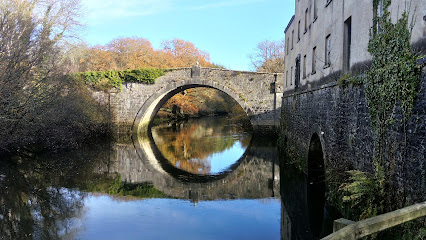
<point>200,179</point>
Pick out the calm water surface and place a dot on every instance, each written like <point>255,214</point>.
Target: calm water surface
<point>204,179</point>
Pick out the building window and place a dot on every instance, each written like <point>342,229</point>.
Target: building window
<point>380,9</point>
<point>292,39</point>
<point>297,72</point>
<point>327,51</point>
<point>306,20</point>
<point>315,10</point>
<point>304,67</point>
<point>286,78</point>
<point>347,45</point>
<point>287,45</point>
<point>378,14</point>
<point>291,76</point>
<point>314,60</point>
<point>298,31</point>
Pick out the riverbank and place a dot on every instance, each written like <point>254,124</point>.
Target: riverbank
<point>164,116</point>
<point>65,119</point>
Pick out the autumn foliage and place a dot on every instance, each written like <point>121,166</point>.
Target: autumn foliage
<point>187,103</point>
<point>136,52</point>
<point>201,101</point>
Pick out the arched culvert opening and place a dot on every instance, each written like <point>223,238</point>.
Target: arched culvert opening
<point>153,104</point>
<point>316,186</point>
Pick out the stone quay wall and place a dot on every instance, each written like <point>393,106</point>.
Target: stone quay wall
<point>340,117</point>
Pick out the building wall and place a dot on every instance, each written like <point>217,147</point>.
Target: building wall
<point>330,21</point>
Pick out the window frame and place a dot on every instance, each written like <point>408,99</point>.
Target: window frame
<point>304,67</point>
<point>306,20</point>
<point>298,31</point>
<point>314,61</point>
<point>315,10</point>
<point>327,56</point>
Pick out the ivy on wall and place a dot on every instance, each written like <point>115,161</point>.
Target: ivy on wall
<point>392,81</point>
<point>104,80</point>
<point>391,86</point>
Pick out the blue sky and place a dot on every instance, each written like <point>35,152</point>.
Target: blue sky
<point>228,30</point>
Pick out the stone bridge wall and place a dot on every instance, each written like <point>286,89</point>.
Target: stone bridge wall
<point>340,117</point>
<point>251,89</point>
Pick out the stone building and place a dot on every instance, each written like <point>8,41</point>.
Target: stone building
<point>326,38</point>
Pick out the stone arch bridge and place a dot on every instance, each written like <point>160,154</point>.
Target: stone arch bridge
<point>259,94</point>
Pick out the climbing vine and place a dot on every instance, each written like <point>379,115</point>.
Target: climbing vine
<point>391,86</point>
<point>392,80</point>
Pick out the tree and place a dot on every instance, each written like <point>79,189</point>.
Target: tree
<point>131,53</point>
<point>98,58</point>
<point>137,52</point>
<point>186,102</point>
<point>31,36</point>
<point>268,56</point>
<point>185,54</point>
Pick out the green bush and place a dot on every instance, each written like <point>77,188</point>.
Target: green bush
<point>105,80</point>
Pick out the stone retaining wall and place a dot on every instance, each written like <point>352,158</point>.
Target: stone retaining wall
<point>340,117</point>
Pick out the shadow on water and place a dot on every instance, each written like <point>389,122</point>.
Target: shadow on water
<point>38,199</point>
<point>305,212</point>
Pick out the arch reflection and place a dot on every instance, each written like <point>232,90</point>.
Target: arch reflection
<point>254,175</point>
<point>206,146</point>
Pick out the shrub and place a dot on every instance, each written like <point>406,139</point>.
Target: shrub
<point>105,80</point>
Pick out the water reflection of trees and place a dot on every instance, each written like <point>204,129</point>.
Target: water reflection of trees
<point>36,200</point>
<point>188,146</point>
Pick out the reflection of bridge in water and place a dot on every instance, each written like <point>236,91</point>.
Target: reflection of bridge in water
<point>254,176</point>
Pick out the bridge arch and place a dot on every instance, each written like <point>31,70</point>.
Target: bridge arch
<point>150,107</point>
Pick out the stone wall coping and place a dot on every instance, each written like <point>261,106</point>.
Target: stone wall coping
<point>294,93</point>
<point>225,70</point>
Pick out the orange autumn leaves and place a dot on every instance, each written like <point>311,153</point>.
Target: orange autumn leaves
<point>186,102</point>
<point>136,52</point>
